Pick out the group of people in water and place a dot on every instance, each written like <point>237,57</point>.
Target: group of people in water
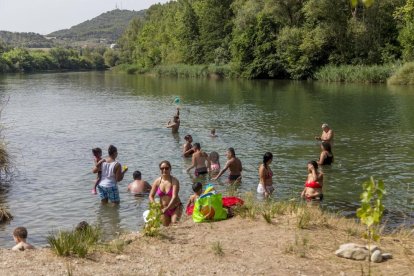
<point>167,187</point>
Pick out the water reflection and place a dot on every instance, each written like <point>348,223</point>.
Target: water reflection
<point>108,220</point>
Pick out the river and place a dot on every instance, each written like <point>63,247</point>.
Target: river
<point>52,121</point>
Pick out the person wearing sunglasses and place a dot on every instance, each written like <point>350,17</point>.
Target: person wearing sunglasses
<point>167,187</point>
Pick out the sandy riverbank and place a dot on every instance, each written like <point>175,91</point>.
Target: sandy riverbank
<point>249,247</point>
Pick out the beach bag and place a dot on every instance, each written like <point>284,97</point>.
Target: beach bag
<point>209,208</point>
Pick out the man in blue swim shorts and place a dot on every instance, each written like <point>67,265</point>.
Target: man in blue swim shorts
<point>111,174</point>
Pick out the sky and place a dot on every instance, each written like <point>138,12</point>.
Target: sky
<point>46,16</point>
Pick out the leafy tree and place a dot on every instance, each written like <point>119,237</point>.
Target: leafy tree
<point>405,16</point>
<point>19,59</point>
<point>214,25</point>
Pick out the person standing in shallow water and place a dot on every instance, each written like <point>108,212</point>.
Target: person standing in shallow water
<point>265,186</point>
<point>111,174</point>
<point>200,161</point>
<point>313,185</point>
<point>327,134</point>
<point>326,157</point>
<point>167,188</point>
<point>188,149</point>
<point>234,165</point>
<point>175,124</point>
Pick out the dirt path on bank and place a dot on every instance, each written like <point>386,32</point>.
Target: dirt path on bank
<point>249,247</point>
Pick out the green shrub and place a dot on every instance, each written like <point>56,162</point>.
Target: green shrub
<point>153,224</point>
<point>356,73</point>
<point>404,75</point>
<point>75,242</point>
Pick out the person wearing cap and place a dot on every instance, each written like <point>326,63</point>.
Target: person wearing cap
<point>327,134</point>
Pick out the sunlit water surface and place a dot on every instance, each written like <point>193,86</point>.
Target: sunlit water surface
<point>52,121</point>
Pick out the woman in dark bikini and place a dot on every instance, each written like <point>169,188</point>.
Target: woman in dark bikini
<point>265,186</point>
<point>167,187</point>
<point>326,157</point>
<point>313,185</point>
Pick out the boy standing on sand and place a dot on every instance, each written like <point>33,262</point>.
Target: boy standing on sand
<point>20,236</point>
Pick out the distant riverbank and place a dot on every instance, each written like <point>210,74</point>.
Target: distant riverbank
<point>329,73</point>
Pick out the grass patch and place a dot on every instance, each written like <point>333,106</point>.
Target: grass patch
<point>116,246</point>
<point>356,73</point>
<point>303,219</point>
<point>194,71</point>
<point>299,247</point>
<point>76,242</point>
<point>404,75</point>
<point>217,248</point>
<point>5,215</point>
<point>267,209</point>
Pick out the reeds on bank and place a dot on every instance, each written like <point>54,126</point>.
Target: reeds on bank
<point>356,73</point>
<point>75,242</point>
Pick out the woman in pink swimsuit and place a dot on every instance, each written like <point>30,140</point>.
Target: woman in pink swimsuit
<point>167,187</point>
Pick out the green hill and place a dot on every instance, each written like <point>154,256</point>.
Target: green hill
<point>25,40</point>
<point>106,27</point>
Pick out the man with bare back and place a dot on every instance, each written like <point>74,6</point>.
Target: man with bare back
<point>234,165</point>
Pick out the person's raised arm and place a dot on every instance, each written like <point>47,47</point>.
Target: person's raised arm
<point>178,112</point>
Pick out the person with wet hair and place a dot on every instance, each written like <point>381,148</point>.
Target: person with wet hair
<point>234,165</point>
<point>20,236</point>
<point>265,186</point>
<point>326,157</point>
<point>138,187</point>
<point>188,149</point>
<point>200,161</point>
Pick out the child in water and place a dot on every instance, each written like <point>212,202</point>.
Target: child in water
<point>97,158</point>
<point>197,189</point>
<point>213,133</point>
<point>20,236</point>
<point>214,163</point>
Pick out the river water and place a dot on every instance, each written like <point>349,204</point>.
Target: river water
<point>52,121</point>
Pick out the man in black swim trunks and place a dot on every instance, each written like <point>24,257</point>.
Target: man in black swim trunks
<point>200,161</point>
<point>234,165</point>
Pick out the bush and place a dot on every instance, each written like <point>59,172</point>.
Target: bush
<point>75,242</point>
<point>356,73</point>
<point>404,75</point>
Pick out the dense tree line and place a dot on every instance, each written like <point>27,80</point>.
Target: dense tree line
<point>23,60</point>
<point>272,38</point>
